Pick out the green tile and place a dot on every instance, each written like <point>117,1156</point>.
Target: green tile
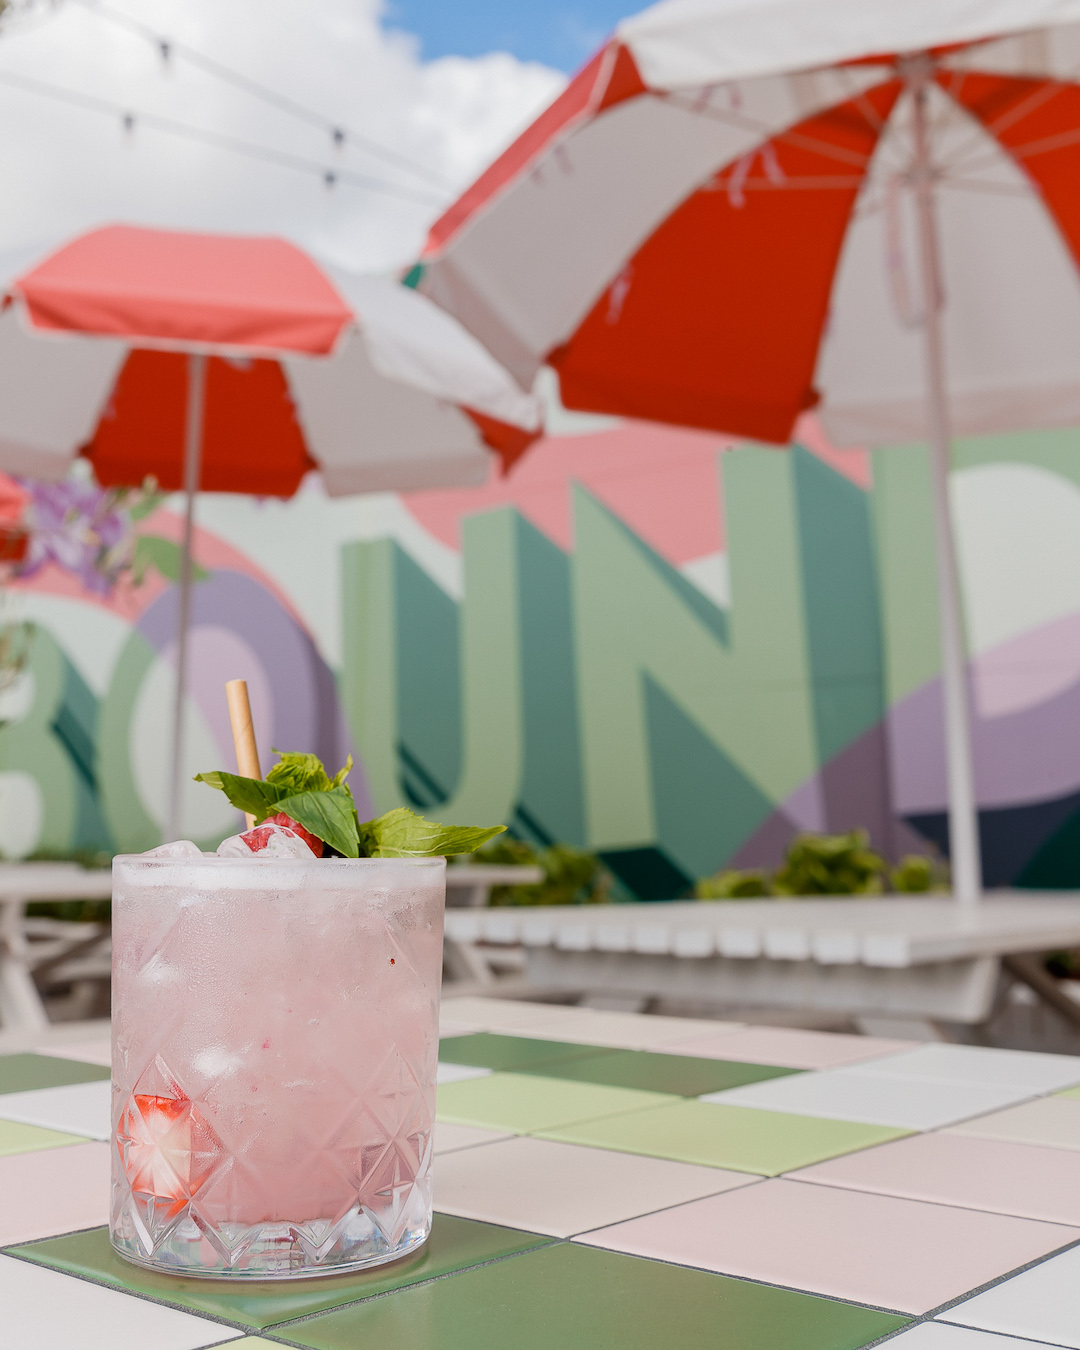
<point>524,1104</point>
<point>680,1075</point>
<point>577,1298</point>
<point>17,1138</point>
<point>455,1244</point>
<point>22,1073</point>
<point>738,1137</point>
<point>485,1050</point>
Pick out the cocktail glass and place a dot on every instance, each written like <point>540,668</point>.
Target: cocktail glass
<point>275,1040</point>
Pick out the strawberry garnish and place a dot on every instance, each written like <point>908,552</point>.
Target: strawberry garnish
<point>156,1134</point>
<point>312,840</point>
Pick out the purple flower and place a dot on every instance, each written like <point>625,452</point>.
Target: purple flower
<point>81,527</point>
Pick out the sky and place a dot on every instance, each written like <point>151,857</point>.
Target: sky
<point>427,92</point>
<point>562,35</point>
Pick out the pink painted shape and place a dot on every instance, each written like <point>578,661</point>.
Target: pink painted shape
<point>854,463</point>
<point>787,1049</point>
<point>953,1169</point>
<point>661,481</point>
<point>1028,669</point>
<point>876,1249</point>
<point>54,1191</point>
<point>129,602</point>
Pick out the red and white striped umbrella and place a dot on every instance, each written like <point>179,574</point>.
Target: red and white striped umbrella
<point>743,209</point>
<point>239,365</point>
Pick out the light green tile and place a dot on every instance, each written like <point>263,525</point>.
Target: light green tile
<point>16,1138</point>
<point>525,1104</point>
<point>736,1137</point>
<point>566,1297</point>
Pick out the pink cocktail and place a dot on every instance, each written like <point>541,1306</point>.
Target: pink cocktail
<point>275,1038</point>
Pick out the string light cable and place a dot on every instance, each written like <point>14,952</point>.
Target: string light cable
<point>130,118</point>
<point>339,134</point>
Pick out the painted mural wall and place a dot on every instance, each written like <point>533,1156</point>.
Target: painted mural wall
<point>644,641</point>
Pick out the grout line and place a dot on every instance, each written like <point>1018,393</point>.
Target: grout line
<point>921,1199</point>
<point>134,1293</point>
<point>751,1279</point>
<point>755,1180</point>
<point>1001,1279</point>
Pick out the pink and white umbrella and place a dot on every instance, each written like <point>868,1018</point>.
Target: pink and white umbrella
<point>743,209</point>
<point>239,365</point>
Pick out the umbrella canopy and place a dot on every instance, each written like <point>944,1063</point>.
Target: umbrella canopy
<point>308,367</point>
<point>238,365</point>
<point>743,209</point>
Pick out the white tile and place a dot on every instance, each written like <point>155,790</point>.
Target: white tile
<point>1020,1069</point>
<point>79,1108</point>
<point>46,1310</point>
<point>842,1094</point>
<point>457,1073</point>
<point>942,1336</point>
<point>1041,1304</point>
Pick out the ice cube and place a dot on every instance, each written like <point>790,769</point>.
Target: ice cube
<point>265,841</point>
<point>179,848</point>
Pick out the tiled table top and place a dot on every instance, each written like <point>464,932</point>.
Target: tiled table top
<point>617,1182</point>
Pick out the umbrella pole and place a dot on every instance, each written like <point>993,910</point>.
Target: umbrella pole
<point>193,445</point>
<point>963,807</point>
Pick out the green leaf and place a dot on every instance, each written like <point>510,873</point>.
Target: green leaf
<point>163,555</point>
<point>299,772</point>
<point>403,834</point>
<point>246,794</point>
<point>343,773</point>
<point>328,814</point>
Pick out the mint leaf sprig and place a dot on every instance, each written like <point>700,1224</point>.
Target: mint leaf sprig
<point>299,786</point>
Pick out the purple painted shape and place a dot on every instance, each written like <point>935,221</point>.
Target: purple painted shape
<point>767,845</point>
<point>306,712</point>
<point>1028,669</point>
<point>855,785</point>
<point>1028,756</point>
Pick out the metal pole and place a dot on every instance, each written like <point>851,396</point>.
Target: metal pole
<point>963,808</point>
<point>193,444</point>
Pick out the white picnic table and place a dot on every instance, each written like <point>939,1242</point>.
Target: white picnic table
<point>21,1007</point>
<point>924,958</point>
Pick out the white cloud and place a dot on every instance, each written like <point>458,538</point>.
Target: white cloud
<point>65,169</point>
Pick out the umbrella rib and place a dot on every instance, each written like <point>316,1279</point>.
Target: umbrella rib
<point>794,138</point>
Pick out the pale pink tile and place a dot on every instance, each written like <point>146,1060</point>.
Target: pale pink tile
<point>876,1249</point>
<point>787,1048</point>
<point>89,1052</point>
<point>953,1169</point>
<point>561,1189</point>
<point>449,1138</point>
<point>55,1191</point>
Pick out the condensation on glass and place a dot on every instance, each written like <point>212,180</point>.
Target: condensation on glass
<point>275,1038</point>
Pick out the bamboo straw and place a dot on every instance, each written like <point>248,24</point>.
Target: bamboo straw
<point>243,732</point>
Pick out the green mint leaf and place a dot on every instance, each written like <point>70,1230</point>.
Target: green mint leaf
<point>299,773</point>
<point>328,814</point>
<point>403,834</point>
<point>246,794</point>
